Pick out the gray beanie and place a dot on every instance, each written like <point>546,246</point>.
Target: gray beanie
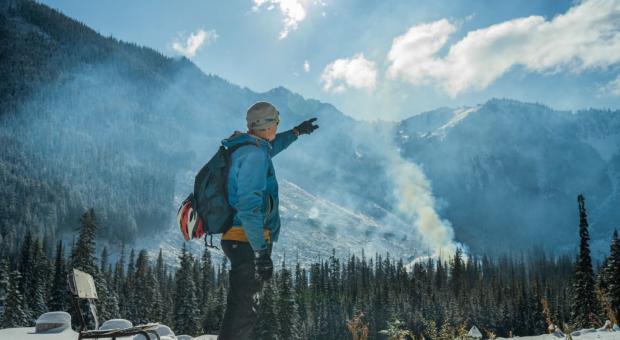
<point>262,115</point>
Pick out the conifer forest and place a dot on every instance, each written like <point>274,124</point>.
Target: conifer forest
<point>369,297</point>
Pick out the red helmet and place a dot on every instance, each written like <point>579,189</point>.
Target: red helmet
<point>189,221</point>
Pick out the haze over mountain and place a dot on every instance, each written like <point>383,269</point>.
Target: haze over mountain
<point>90,121</point>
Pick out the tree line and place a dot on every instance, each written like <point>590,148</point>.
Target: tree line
<point>357,297</point>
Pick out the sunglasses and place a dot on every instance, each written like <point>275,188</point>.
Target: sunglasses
<point>277,119</point>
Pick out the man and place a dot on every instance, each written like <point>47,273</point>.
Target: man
<point>253,192</point>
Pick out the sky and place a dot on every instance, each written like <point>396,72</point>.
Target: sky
<point>385,60</point>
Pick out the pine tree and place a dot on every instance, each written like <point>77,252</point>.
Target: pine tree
<point>83,258</point>
<point>266,327</point>
<point>216,307</point>
<point>613,276</point>
<point>119,272</point>
<point>26,268</point>
<point>37,298</point>
<point>112,303</point>
<point>207,290</point>
<point>301,288</point>
<point>143,292</point>
<point>186,311</point>
<point>288,323</point>
<point>59,291</point>
<point>457,273</point>
<point>4,284</point>
<point>128,302</point>
<point>14,314</point>
<point>156,310</point>
<point>208,277</point>
<point>83,255</point>
<point>160,272</point>
<point>585,307</point>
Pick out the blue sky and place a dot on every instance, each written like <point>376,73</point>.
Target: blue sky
<point>385,60</point>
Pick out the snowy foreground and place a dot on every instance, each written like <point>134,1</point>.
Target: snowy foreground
<point>583,336</point>
<point>57,326</point>
<point>29,333</point>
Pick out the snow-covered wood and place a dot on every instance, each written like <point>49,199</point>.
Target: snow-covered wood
<point>474,333</point>
<point>53,321</point>
<point>116,324</point>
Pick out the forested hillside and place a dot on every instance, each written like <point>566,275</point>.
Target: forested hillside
<point>91,121</point>
<point>333,298</point>
<point>77,112</point>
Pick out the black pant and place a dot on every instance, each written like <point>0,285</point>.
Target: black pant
<point>242,301</point>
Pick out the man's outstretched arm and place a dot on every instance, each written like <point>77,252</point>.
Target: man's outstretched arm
<point>284,139</point>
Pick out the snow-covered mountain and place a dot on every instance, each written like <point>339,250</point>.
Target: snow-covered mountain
<point>508,170</point>
<point>312,228</point>
<point>122,128</point>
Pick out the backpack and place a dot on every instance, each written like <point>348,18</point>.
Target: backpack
<point>206,210</point>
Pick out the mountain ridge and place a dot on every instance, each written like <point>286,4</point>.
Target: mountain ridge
<point>503,158</point>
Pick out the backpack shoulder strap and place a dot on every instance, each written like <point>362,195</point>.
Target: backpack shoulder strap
<point>234,148</point>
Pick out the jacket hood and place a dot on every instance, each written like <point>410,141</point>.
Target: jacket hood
<point>239,137</point>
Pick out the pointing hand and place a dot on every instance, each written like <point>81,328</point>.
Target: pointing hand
<point>306,127</point>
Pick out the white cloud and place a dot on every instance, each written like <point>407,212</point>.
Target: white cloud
<point>293,12</point>
<point>586,37</point>
<point>190,45</point>
<point>357,72</point>
<point>306,66</point>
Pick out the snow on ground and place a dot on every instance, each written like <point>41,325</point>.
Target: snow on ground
<point>28,333</point>
<point>587,336</point>
<point>57,326</point>
<point>311,227</point>
<point>206,337</point>
<point>458,116</point>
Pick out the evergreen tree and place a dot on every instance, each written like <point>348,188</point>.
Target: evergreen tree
<point>103,261</point>
<point>143,292</point>
<point>37,298</point>
<point>585,307</point>
<point>612,272</point>
<point>186,311</point>
<point>59,291</point>
<point>535,319</point>
<point>4,284</point>
<point>216,308</point>
<point>128,291</point>
<point>301,290</point>
<point>147,296</point>
<point>266,327</point>
<point>208,278</point>
<point>287,316</point>
<point>112,304</point>
<point>26,267</point>
<point>457,272</point>
<point>83,255</point>
<point>83,258</point>
<point>14,315</point>
<point>156,310</point>
<point>160,272</point>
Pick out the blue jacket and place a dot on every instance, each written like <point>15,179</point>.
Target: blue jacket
<point>252,184</point>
